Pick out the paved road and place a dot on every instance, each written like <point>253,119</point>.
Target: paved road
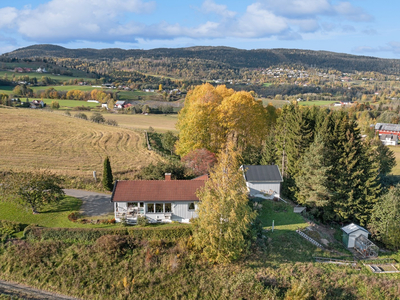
<point>93,204</point>
<point>26,292</point>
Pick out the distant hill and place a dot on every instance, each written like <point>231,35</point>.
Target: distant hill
<point>235,58</point>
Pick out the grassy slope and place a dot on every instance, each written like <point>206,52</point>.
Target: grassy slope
<point>396,150</point>
<point>32,139</point>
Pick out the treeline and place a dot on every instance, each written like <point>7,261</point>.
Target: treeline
<point>326,164</point>
<point>234,58</point>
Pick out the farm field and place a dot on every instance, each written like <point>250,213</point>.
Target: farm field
<point>316,103</point>
<point>59,78</point>
<point>159,122</point>
<point>36,139</point>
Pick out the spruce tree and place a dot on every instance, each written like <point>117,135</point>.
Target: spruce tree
<point>312,180</point>
<point>107,175</point>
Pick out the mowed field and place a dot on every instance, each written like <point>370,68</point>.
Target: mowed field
<point>159,122</point>
<point>35,139</point>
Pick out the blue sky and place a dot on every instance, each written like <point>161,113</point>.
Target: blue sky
<point>361,27</point>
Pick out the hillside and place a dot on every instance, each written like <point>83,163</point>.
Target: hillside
<point>33,139</point>
<point>232,57</point>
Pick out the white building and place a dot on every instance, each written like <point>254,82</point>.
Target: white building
<point>263,181</point>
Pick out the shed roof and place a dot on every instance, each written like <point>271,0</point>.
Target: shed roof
<point>269,173</point>
<point>156,190</point>
<point>353,227</point>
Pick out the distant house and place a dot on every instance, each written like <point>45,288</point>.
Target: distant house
<point>104,105</point>
<point>387,128</point>
<point>263,181</point>
<point>119,104</point>
<point>389,139</point>
<point>92,101</point>
<point>157,200</point>
<point>37,104</point>
<point>41,70</point>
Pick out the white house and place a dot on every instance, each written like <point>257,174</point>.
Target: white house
<point>263,181</point>
<point>158,200</point>
<point>119,104</point>
<point>389,139</point>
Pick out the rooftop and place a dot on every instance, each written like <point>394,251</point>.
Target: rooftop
<point>262,173</point>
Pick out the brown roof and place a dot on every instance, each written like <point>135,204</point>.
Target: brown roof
<point>156,190</point>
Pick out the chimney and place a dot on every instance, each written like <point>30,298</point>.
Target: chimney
<point>167,176</point>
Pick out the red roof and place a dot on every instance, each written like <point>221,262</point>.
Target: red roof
<point>156,190</point>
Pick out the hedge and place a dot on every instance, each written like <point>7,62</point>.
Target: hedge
<point>10,227</point>
<point>90,235</point>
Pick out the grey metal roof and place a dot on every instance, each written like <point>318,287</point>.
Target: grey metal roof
<point>353,227</point>
<point>269,173</point>
<point>387,127</point>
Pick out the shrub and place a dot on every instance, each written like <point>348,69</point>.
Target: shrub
<point>10,227</point>
<point>81,108</point>
<point>81,116</point>
<point>111,244</point>
<point>111,122</point>
<point>67,113</point>
<point>74,216</point>
<point>55,105</point>
<point>142,221</point>
<point>90,235</point>
<point>97,118</point>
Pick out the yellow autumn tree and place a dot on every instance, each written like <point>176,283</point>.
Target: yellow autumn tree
<point>224,216</point>
<point>213,116</point>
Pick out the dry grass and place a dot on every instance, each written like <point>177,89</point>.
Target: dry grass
<point>159,122</point>
<point>32,139</point>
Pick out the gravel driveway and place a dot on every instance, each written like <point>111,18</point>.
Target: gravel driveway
<point>93,204</point>
<point>25,292</point>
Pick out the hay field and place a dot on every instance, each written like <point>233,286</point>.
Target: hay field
<point>32,139</point>
<point>159,122</point>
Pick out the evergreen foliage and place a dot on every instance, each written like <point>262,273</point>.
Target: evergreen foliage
<point>224,215</point>
<point>385,218</point>
<point>325,164</point>
<point>108,181</point>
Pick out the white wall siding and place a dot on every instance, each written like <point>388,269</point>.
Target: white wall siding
<point>181,212</point>
<point>263,187</point>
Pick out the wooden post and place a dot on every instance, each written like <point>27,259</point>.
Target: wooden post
<point>94,176</point>
<point>273,221</point>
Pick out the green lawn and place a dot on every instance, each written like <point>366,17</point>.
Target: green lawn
<point>60,78</point>
<point>85,88</point>
<point>396,150</point>
<point>316,103</point>
<point>51,216</point>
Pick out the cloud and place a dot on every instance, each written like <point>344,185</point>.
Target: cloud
<point>370,31</point>
<point>393,47</point>
<point>108,21</point>
<point>65,20</point>
<point>210,6</point>
<point>350,12</point>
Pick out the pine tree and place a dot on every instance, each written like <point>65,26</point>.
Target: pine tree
<point>107,175</point>
<point>224,215</point>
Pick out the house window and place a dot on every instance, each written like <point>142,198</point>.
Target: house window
<point>168,207</point>
<point>191,206</point>
<point>159,208</point>
<point>132,204</point>
<point>150,207</point>
<point>141,204</point>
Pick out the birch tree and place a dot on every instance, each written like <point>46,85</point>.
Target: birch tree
<point>224,216</point>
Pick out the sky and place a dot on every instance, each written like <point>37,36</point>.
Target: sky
<point>360,27</point>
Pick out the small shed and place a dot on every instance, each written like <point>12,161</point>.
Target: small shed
<point>351,232</point>
<point>262,181</point>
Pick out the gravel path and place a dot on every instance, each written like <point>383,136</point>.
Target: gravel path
<point>93,204</point>
<point>25,292</point>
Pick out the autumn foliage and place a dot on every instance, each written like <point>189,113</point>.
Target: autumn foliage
<point>213,116</point>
